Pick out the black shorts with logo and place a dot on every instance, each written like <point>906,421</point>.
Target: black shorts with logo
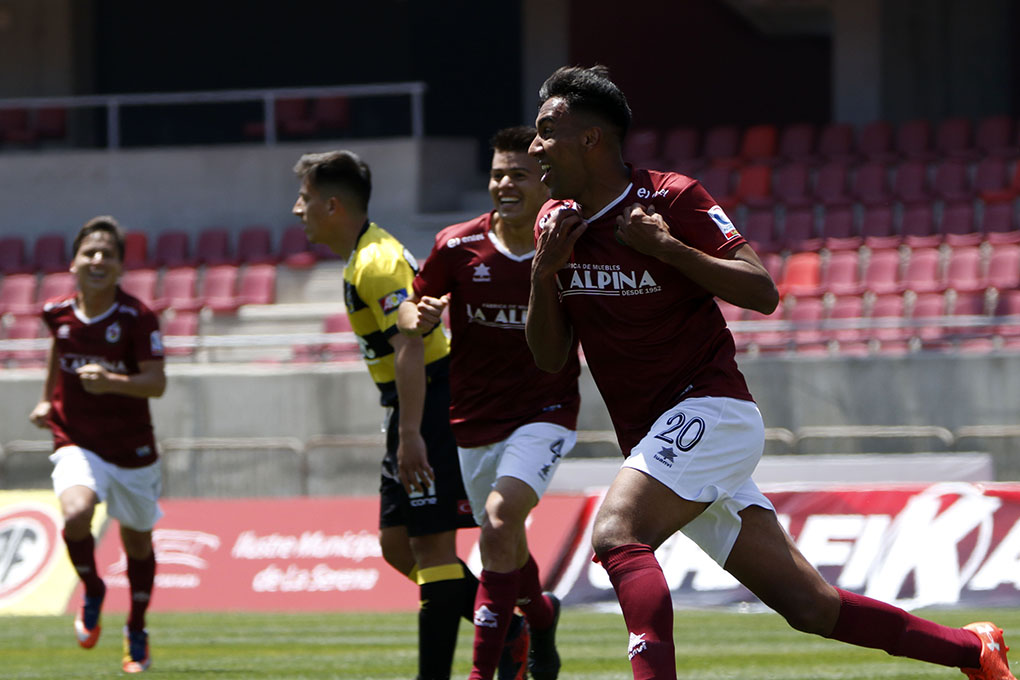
<point>445,507</point>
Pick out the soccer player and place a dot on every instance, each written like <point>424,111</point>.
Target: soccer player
<point>629,261</point>
<point>423,501</point>
<point>105,363</point>
<point>513,422</point>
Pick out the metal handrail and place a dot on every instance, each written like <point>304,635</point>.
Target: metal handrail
<point>113,102</point>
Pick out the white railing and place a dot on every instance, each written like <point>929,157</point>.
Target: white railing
<point>113,103</point>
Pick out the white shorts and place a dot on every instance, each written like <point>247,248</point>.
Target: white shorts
<point>131,494</point>
<point>531,454</point>
<point>705,450</point>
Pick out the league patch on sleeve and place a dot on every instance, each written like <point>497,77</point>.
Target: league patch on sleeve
<point>156,344</point>
<point>391,301</point>
<point>723,222</point>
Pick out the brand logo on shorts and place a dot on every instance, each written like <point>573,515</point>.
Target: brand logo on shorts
<point>464,507</point>
<point>665,456</point>
<point>556,448</point>
<point>486,618</point>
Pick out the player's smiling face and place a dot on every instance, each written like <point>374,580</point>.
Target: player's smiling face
<point>97,265</point>
<point>516,188</point>
<point>558,146</point>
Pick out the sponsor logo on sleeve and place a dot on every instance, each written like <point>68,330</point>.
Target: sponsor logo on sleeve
<point>156,343</point>
<point>723,222</point>
<point>391,301</point>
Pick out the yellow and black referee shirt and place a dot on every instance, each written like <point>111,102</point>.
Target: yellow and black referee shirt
<point>377,278</point>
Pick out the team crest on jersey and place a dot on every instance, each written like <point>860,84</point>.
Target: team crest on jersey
<point>113,332</point>
<point>566,205</point>
<point>723,222</point>
<point>391,301</point>
<point>482,273</point>
<point>64,331</point>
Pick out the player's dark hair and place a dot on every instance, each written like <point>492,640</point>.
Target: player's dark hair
<point>591,90</point>
<point>334,172</point>
<point>100,223</point>
<point>518,138</point>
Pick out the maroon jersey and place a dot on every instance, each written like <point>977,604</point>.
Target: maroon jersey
<point>116,427</point>
<point>650,335</point>
<point>496,386</point>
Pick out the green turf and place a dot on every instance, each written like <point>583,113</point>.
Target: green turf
<point>710,645</point>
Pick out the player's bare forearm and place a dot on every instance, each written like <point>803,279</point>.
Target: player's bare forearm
<point>546,329</point>
<point>148,383</point>
<point>419,316</point>
<point>409,375</point>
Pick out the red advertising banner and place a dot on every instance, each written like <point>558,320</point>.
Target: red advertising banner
<point>292,554</point>
<point>909,545</point>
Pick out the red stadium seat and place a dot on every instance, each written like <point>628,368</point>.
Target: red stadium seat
<point>954,139</point>
<point>847,315</point>
<point>173,249</point>
<point>914,140</point>
<point>257,285</point>
<point>998,223</point>
<point>911,183</point>
<point>871,184</point>
<point>759,143</point>
<point>958,226</point>
<point>797,142</point>
<point>836,143</point>
<point>14,127</point>
<point>952,182</point>
<point>680,150</point>
<point>180,290</point>
<point>806,315</point>
<point>923,271</point>
<point>51,123</point>
<point>964,270</point>
<point>341,349</point>
<point>25,328</point>
<point>721,146</point>
<point>55,285</point>
<point>12,256</point>
<point>136,250</point>
<point>18,295</point>
<point>641,147</point>
<point>759,229</point>
<point>774,264</point>
<point>754,186</point>
<point>842,273</point>
<point>994,136</point>
<point>793,185</point>
<point>141,283</point>
<point>918,226</point>
<point>878,228</point>
<point>254,245</point>
<point>876,141</point>
<point>799,232</point>
<point>295,250</point>
<point>219,288</point>
<point>831,184</point>
<point>991,183</point>
<point>889,329</point>
<point>181,324</point>
<point>717,182</point>
<point>50,254</point>
<point>801,275</point>
<point>882,272</point>
<point>1004,267</point>
<point>838,229</point>
<point>213,247</point>
<point>928,315</point>
<point>332,114</point>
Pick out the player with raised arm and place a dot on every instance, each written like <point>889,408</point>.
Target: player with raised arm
<point>105,363</point>
<point>513,422</point>
<point>630,262</point>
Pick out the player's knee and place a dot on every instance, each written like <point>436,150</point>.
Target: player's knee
<point>610,531</point>
<point>77,518</point>
<point>807,613</point>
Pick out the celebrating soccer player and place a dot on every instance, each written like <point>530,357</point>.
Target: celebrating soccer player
<point>630,261</point>
<point>105,362</point>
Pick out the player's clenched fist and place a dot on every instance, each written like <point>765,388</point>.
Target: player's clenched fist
<point>642,229</point>
<point>556,241</point>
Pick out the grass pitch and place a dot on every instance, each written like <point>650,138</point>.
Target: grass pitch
<point>710,645</point>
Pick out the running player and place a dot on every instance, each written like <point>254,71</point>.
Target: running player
<point>629,261</point>
<point>513,422</point>
<point>105,363</point>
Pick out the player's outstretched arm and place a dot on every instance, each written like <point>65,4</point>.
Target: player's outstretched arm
<point>548,332</point>
<point>148,383</point>
<point>40,415</point>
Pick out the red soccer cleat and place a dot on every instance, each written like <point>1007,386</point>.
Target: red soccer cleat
<point>994,665</point>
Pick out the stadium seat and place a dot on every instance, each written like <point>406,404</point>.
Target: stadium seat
<point>759,229</point>
<point>341,349</point>
<point>951,181</point>
<point>49,254</point>
<point>25,328</point>
<point>754,186</point>
<point>846,315</point>
<point>923,271</point>
<point>141,283</point>
<point>871,184</point>
<point>257,285</point>
<point>721,146</point>
<point>173,249</point>
<point>918,226</point>
<point>179,290</point>
<point>910,184</point>
<point>914,140</point>
<point>717,181</point>
<point>878,228</point>
<point>18,295</point>
<point>55,285</point>
<point>998,223</point>
<point>181,324</point>
<point>793,185</point>
<point>797,143</point>
<point>836,143</point>
<point>801,275</point>
<point>12,256</point>
<point>991,183</point>
<point>774,264</point>
<point>14,127</point>
<point>882,272</point>
<point>799,231</point>
<point>806,315</point>
<point>770,340</point>
<point>842,274</point>
<point>838,229</point>
<point>1003,272</point>
<point>51,123</point>
<point>831,184</point>
<point>331,115</point>
<point>964,269</point>
<point>293,118</point>
<point>641,147</point>
<point>213,247</point>
<point>219,289</point>
<point>1007,313</point>
<point>954,139</point>
<point>680,149</point>
<point>255,245</point>
<point>759,143</point>
<point>958,227</point>
<point>889,329</point>
<point>136,250</point>
<point>927,314</point>
<point>1009,192</point>
<point>994,136</point>
<point>876,142</point>
<point>295,250</point>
